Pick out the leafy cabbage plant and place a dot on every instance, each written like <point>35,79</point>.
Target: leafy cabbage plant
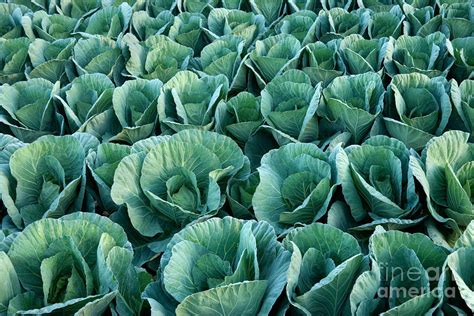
<point>273,55</point>
<point>239,117</point>
<point>188,30</point>
<point>377,183</point>
<point>224,57</point>
<point>144,25</point>
<point>87,102</point>
<point>240,191</point>
<point>457,18</point>
<point>157,57</point>
<point>247,25</point>
<point>155,7</point>
<point>73,9</point>
<point>178,180</point>
<point>8,145</point>
<point>55,182</point>
<point>296,184</point>
<point>135,105</point>
<point>339,23</point>
<point>463,67</point>
<point>420,20</point>
<point>270,9</point>
<point>299,5</point>
<point>417,108</point>
<point>196,6</point>
<point>13,59</point>
<point>51,60</point>
<point>187,101</point>
<point>386,23</point>
<point>354,102</point>
<point>445,171</point>
<point>102,163</point>
<point>301,24</point>
<point>289,104</point>
<point>49,27</point>
<point>431,55</point>
<point>377,6</point>
<point>463,102</point>
<point>404,276</point>
<point>221,265</point>
<point>325,263</point>
<point>98,54</point>
<point>320,62</point>
<point>317,6</point>
<point>11,16</point>
<point>110,21</point>
<point>80,263</point>
<point>458,274</point>
<point>361,55</point>
<point>30,110</point>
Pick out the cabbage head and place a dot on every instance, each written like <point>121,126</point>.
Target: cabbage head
<point>377,183</point>
<point>325,262</point>
<point>421,20</point>
<point>458,272</point>
<point>320,62</point>
<point>240,191</point>
<point>463,67</point>
<point>87,102</point>
<point>76,9</point>
<point>339,23</point>
<point>98,54</point>
<point>386,24</point>
<point>135,105</point>
<point>110,21</point>
<point>11,15</point>
<point>239,117</point>
<point>144,25</point>
<point>289,104</point>
<point>270,9</point>
<point>48,27</point>
<point>157,57</point>
<point>431,55</point>
<point>404,276</point>
<point>247,25</point>
<point>187,101</point>
<point>457,18</point>
<point>355,102</point>
<point>273,55</point>
<point>102,163</point>
<point>224,56</point>
<point>13,59</point>
<point>188,30</point>
<point>179,179</point>
<point>51,60</point>
<point>446,172</point>
<point>417,108</point>
<point>463,101</point>
<point>361,55</point>
<point>301,24</point>
<point>79,264</point>
<point>30,110</point>
<point>223,266</point>
<point>48,178</point>
<point>296,184</point>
